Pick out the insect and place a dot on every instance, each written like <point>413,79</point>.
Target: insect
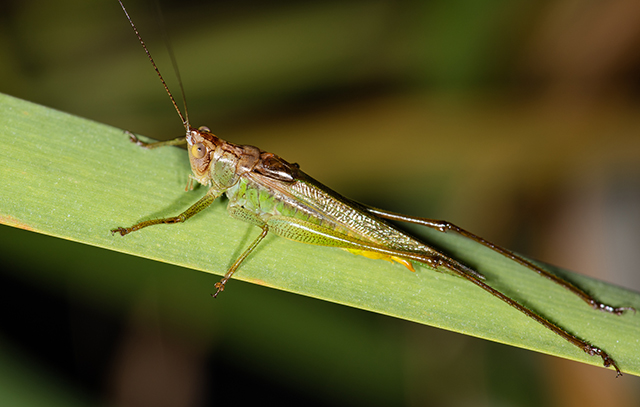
<point>277,197</point>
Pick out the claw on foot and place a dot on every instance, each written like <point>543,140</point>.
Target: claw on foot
<point>134,139</point>
<point>220,287</point>
<point>121,230</point>
<point>593,351</point>
<point>612,310</point>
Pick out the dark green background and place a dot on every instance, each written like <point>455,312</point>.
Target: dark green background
<point>515,119</point>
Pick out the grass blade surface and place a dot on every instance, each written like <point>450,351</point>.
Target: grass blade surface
<point>75,179</point>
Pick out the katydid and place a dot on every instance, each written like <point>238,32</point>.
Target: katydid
<point>276,196</point>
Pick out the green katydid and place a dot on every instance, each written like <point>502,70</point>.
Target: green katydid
<point>268,192</point>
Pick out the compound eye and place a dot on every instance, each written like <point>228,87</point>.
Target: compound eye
<point>204,128</point>
<point>198,150</point>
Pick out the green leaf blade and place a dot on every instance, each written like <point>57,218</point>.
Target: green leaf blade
<point>75,179</point>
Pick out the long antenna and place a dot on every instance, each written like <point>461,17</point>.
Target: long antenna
<point>172,55</point>
<point>185,122</point>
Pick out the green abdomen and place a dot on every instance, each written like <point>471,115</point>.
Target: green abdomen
<point>306,199</point>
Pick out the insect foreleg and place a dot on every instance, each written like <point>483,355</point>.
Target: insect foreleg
<point>445,226</point>
<point>175,142</point>
<point>204,202</point>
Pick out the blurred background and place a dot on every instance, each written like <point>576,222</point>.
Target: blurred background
<point>517,120</point>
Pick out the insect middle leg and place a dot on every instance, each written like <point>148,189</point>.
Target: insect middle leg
<point>220,285</point>
<point>245,215</point>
